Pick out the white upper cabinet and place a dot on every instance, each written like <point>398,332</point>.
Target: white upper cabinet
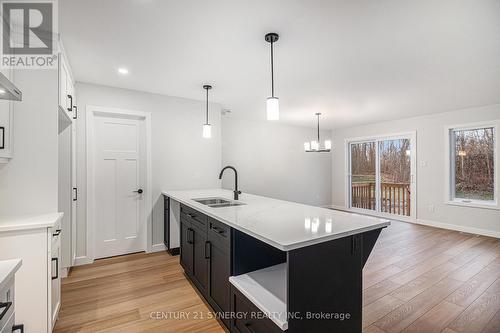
<point>66,88</point>
<point>6,124</point>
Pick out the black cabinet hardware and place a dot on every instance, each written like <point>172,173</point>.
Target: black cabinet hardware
<point>140,191</point>
<point>71,103</point>
<point>19,327</point>
<point>75,194</point>
<point>207,256</point>
<point>219,231</point>
<point>57,233</point>
<point>75,115</point>
<point>57,268</point>
<point>190,239</point>
<point>248,326</point>
<point>2,144</point>
<point>5,306</point>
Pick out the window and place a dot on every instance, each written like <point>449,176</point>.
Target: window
<point>473,165</point>
<point>380,175</point>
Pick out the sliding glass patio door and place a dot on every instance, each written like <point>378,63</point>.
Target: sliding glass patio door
<point>380,175</point>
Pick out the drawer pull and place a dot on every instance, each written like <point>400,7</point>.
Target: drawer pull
<point>57,233</point>
<point>19,327</point>
<point>6,306</point>
<point>219,231</point>
<point>57,268</point>
<point>249,327</point>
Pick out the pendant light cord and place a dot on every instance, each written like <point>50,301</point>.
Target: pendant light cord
<point>207,106</point>
<point>272,70</point>
<point>318,128</point>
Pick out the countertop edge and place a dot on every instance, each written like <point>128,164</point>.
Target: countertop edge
<point>31,222</point>
<point>281,247</point>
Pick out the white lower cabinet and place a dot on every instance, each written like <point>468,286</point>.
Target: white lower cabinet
<point>38,283</point>
<point>6,125</point>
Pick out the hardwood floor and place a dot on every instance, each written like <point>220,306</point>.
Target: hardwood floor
<point>418,279</point>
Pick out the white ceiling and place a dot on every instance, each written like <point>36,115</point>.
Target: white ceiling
<point>357,62</point>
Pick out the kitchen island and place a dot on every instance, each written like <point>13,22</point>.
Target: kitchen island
<point>268,265</point>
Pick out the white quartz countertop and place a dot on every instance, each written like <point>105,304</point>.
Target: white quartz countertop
<point>7,270</point>
<point>29,222</point>
<point>282,224</point>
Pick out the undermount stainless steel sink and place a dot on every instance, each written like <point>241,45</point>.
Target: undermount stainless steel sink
<point>218,202</point>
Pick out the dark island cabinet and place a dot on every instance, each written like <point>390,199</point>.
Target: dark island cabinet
<point>187,247</point>
<point>206,258</point>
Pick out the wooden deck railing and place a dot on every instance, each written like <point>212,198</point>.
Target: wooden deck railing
<point>394,197</point>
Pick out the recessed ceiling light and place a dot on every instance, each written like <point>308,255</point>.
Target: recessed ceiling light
<point>123,70</point>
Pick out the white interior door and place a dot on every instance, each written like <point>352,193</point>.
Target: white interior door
<point>120,174</point>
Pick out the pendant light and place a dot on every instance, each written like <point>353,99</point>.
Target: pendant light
<point>314,146</point>
<point>272,103</point>
<point>207,128</point>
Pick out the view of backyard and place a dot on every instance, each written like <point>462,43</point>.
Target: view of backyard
<point>474,164</point>
<point>395,174</point>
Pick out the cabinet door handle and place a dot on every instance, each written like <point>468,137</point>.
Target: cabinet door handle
<point>2,144</point>
<point>189,239</point>
<point>57,268</point>
<point>209,255</point>
<point>6,306</point>
<point>57,233</point>
<point>71,103</point>
<point>249,327</point>
<point>75,194</point>
<point>75,116</point>
<point>19,327</point>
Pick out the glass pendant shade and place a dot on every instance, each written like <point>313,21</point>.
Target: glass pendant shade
<point>273,108</point>
<point>207,131</point>
<point>307,146</point>
<point>314,145</point>
<point>328,144</point>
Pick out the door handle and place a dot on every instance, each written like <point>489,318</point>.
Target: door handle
<point>57,268</point>
<point>19,327</point>
<point>209,250</point>
<point>140,191</point>
<point>6,306</point>
<point>57,233</point>
<point>71,103</point>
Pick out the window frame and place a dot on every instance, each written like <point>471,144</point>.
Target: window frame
<point>450,148</point>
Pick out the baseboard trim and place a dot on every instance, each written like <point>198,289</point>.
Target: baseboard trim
<point>430,223</point>
<point>175,251</point>
<point>158,248</point>
<point>460,228</point>
<point>84,260</point>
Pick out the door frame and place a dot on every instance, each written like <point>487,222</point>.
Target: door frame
<point>412,135</point>
<point>91,113</point>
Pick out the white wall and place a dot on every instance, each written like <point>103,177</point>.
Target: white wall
<point>28,183</point>
<point>181,158</point>
<point>430,179</point>
<point>271,161</point>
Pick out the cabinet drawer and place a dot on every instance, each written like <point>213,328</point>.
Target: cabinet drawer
<point>196,218</point>
<point>7,302</point>
<point>219,233</point>
<point>249,318</point>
